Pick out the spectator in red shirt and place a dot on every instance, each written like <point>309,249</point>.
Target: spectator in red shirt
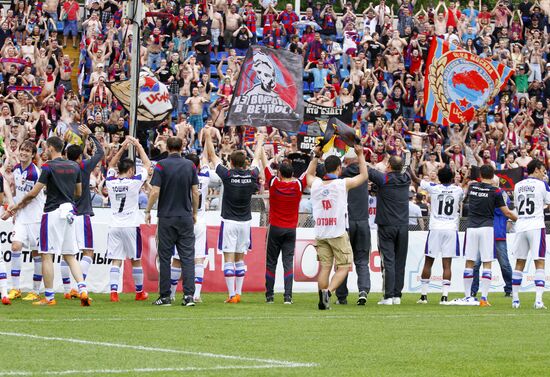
<point>287,18</point>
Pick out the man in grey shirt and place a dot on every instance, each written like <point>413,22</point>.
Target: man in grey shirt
<point>392,218</point>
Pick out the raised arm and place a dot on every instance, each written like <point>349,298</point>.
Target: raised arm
<point>142,154</point>
<point>363,175</point>
<point>210,151</point>
<point>311,172</point>
<point>116,158</point>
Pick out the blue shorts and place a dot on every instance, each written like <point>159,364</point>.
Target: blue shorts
<point>70,28</point>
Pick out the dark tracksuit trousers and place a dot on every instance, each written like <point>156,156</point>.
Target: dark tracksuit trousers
<point>359,236</point>
<point>178,232</point>
<point>279,240</point>
<point>393,242</point>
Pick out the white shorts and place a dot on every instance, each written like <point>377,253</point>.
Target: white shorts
<point>479,243</point>
<point>57,234</point>
<point>442,241</point>
<point>234,237</point>
<point>27,234</point>
<point>124,243</point>
<point>530,242</point>
<point>84,233</point>
<point>201,250</point>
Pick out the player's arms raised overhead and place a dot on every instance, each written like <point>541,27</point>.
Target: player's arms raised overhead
<point>118,155</point>
<point>258,149</point>
<point>210,151</point>
<point>363,175</point>
<point>142,154</point>
<point>196,197</point>
<point>311,172</point>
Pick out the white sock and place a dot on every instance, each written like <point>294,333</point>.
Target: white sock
<point>517,277</point>
<point>65,276</point>
<point>445,288</point>
<point>468,280</point>
<point>485,283</point>
<point>175,275</point>
<point>82,287</point>
<point>199,277</point>
<point>37,276</point>
<point>229,273</point>
<point>85,264</point>
<point>3,278</point>
<point>137,274</point>
<point>240,271</point>
<point>15,269</point>
<point>425,284</point>
<point>114,278</point>
<point>539,284</point>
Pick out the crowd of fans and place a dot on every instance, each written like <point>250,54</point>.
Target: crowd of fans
<point>373,58</point>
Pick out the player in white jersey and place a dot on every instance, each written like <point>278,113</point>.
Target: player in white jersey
<point>201,248</point>
<point>329,198</point>
<point>26,229</point>
<point>445,199</point>
<point>3,270</point>
<point>531,197</point>
<point>124,238</point>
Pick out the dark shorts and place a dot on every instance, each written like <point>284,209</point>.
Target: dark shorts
<point>70,28</point>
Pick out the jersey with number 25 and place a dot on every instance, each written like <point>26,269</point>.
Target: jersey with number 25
<point>530,197</point>
<point>445,205</point>
<point>124,198</point>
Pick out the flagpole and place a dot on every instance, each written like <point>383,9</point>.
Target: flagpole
<point>135,13</point>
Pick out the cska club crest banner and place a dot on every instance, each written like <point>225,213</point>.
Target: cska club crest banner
<point>458,83</point>
<point>269,90</point>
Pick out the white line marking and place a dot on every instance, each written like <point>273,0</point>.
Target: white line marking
<point>138,370</point>
<point>162,350</point>
<point>261,318</point>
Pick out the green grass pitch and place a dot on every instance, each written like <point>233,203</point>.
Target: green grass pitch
<point>255,339</point>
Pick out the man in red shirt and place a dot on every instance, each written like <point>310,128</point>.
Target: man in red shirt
<point>285,193</point>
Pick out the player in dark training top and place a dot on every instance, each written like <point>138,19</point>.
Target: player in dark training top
<point>479,239</point>
<point>239,184</point>
<point>62,179</point>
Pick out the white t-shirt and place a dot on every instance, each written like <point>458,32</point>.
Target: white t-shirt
<point>330,208</point>
<point>372,212</point>
<point>124,198</point>
<point>531,196</point>
<point>24,182</point>
<point>445,205</point>
<point>415,213</point>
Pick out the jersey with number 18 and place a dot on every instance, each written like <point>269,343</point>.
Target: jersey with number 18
<point>531,196</point>
<point>124,198</point>
<point>445,205</point>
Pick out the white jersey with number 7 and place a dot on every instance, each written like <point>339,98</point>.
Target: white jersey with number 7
<point>124,198</point>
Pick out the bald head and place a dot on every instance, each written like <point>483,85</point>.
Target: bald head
<point>396,163</point>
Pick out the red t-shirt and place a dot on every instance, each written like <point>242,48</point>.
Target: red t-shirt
<point>284,199</point>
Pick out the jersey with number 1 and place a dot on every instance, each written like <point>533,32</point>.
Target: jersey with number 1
<point>124,198</point>
<point>531,196</point>
<point>445,205</point>
<point>204,181</point>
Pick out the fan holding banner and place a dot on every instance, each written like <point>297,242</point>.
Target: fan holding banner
<point>459,84</point>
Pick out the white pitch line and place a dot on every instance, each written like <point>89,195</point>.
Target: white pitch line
<point>261,318</point>
<point>162,350</point>
<point>139,370</point>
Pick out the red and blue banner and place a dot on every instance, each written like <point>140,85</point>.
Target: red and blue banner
<point>459,84</point>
